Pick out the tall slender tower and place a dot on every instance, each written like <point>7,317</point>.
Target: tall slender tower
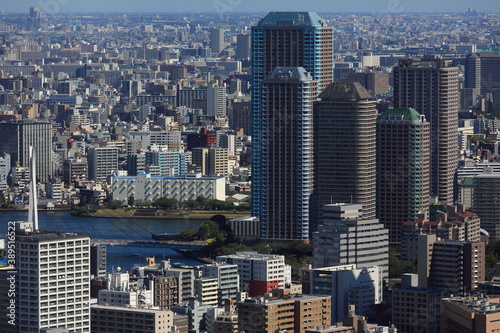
<point>430,86</point>
<point>286,173</point>
<point>344,149</point>
<point>284,39</point>
<point>403,168</point>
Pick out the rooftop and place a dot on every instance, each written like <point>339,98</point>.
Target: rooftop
<point>402,114</point>
<point>345,91</point>
<point>293,19</point>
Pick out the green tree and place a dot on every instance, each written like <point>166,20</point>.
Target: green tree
<point>131,200</point>
<point>165,203</point>
<point>116,204</point>
<point>188,234</point>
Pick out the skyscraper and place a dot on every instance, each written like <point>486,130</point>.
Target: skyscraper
<point>344,149</point>
<point>285,174</point>
<point>430,86</point>
<point>403,168</point>
<point>282,39</point>
<point>18,136</point>
<point>217,40</point>
<point>35,18</point>
<point>482,72</point>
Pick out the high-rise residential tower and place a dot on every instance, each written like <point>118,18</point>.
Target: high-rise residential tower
<point>403,168</point>
<point>285,175</point>
<point>344,149</point>
<point>283,39</point>
<point>430,86</point>
<point>18,136</point>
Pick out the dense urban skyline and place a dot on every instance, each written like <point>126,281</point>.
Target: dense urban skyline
<point>365,6</point>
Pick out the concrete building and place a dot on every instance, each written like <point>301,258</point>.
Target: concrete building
<point>114,319</point>
<point>430,86</point>
<point>482,72</point>
<point>347,285</point>
<point>18,136</point>
<point>185,282</point>
<point>485,193</point>
<point>102,161</point>
<point>65,99</point>
<point>452,265</point>
<point>162,162</point>
<point>295,315</point>
<point>344,149</point>
<point>196,313</point>
<point>120,292</point>
<point>46,261</point>
<point>54,191</point>
<point>217,101</point>
<point>172,139</point>
<point>217,40</point>
<point>345,238</point>
<point>75,170</point>
<point>243,47</point>
<point>98,260</point>
<point>245,226</point>
<point>444,221</point>
<point>228,280</point>
<point>403,168</point>
<point>199,160</point>
<point>283,171</point>
<point>203,139</point>
<point>189,187</point>
<point>470,314</point>
<point>417,310</point>
<point>259,273</point>
<point>227,321</point>
<point>166,291</point>
<point>206,290</point>
<point>218,162</point>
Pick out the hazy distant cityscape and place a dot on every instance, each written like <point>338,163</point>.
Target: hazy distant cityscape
<point>230,172</point>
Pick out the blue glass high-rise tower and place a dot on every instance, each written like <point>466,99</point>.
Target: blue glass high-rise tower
<point>285,39</point>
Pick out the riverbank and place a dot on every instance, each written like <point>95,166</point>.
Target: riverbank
<point>160,214</point>
<point>195,255</point>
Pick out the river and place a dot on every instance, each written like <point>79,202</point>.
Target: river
<point>125,256</point>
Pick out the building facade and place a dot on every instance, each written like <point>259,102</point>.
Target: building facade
<point>54,281</point>
<point>344,149</point>
<point>102,161</point>
<point>430,86</point>
<point>189,187</point>
<point>283,181</point>
<point>403,168</point>
<point>345,238</point>
<point>485,191</point>
<point>18,136</point>
<point>259,273</point>
<point>274,40</point>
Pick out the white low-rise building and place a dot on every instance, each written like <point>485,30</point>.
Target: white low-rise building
<point>187,187</point>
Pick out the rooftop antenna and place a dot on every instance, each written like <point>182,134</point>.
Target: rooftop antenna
<point>33,198</point>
